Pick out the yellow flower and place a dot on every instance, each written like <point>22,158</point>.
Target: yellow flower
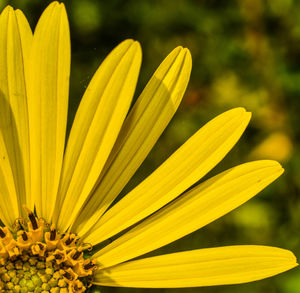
<point>56,201</point>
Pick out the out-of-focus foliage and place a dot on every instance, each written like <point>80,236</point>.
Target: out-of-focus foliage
<point>245,53</point>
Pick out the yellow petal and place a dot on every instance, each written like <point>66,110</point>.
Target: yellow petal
<point>196,208</point>
<point>48,90</point>
<point>185,167</point>
<point>22,113</point>
<point>143,126</point>
<point>9,208</point>
<point>98,121</point>
<point>15,42</point>
<point>203,267</point>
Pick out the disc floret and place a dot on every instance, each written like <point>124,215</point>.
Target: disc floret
<point>35,257</point>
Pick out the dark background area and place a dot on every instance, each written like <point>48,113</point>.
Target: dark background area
<point>245,53</point>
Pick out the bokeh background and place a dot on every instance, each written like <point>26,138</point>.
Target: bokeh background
<point>245,53</point>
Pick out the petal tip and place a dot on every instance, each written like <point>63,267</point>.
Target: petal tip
<point>136,46</point>
<point>292,257</point>
<point>236,111</point>
<point>128,41</point>
<point>247,116</point>
<point>274,164</point>
<point>187,53</point>
<point>62,7</point>
<point>7,9</point>
<point>53,5</point>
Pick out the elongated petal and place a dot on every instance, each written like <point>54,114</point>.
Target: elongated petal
<point>203,267</point>
<point>48,90</point>
<point>22,106</point>
<point>97,124</point>
<point>15,42</point>
<point>200,206</point>
<point>185,167</point>
<point>143,126</point>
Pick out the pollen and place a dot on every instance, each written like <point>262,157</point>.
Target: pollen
<point>35,257</point>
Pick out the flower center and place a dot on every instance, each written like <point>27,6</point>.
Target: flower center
<point>36,258</point>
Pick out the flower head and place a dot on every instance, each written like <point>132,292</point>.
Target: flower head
<point>56,200</point>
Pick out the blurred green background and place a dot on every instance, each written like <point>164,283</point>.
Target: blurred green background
<point>245,53</point>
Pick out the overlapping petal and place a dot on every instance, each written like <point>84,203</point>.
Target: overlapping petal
<point>194,209</point>
<point>98,121</point>
<point>147,119</point>
<point>185,167</point>
<point>48,90</point>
